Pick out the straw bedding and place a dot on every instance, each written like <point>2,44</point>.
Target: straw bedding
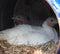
<point>47,48</point>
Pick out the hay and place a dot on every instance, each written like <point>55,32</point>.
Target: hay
<point>48,48</point>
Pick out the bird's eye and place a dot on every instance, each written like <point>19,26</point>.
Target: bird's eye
<point>51,20</point>
<point>18,16</point>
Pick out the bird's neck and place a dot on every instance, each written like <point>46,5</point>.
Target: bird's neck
<point>45,25</point>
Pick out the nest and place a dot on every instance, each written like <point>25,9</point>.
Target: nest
<point>47,48</point>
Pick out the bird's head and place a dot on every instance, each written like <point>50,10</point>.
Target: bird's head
<point>50,21</point>
<point>19,20</point>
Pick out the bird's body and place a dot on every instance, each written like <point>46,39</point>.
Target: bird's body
<point>34,35</point>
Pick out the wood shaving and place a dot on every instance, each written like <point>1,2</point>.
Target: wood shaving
<point>50,47</point>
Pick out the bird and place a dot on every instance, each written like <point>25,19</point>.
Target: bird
<point>32,35</point>
<point>19,19</point>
